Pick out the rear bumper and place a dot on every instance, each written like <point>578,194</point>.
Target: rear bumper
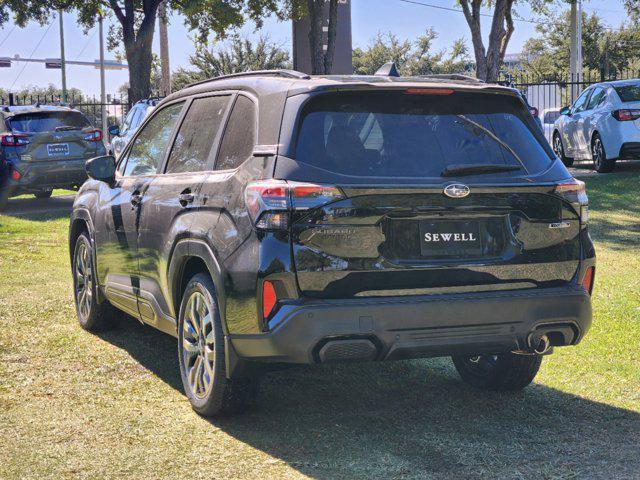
<point>389,328</point>
<point>50,174</point>
<point>630,151</point>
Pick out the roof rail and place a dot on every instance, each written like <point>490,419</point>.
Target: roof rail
<point>279,73</point>
<point>453,76</point>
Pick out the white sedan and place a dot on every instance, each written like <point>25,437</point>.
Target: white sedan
<point>602,125</point>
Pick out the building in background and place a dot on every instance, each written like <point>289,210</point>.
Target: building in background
<point>342,62</point>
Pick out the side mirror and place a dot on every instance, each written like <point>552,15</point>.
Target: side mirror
<point>102,168</point>
<point>114,130</point>
<point>565,111</point>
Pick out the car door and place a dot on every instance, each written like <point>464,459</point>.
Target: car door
<point>120,206</point>
<point>174,198</point>
<point>589,118</point>
<point>574,137</point>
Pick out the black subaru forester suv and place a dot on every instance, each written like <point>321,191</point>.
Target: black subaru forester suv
<point>277,217</point>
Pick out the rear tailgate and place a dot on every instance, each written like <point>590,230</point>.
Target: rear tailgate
<point>401,228</point>
<point>416,241</point>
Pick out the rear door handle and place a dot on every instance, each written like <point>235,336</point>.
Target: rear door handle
<point>186,198</point>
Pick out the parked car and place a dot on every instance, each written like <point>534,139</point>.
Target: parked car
<point>602,125</point>
<point>279,217</point>
<point>121,135</point>
<point>43,147</point>
<point>548,117</point>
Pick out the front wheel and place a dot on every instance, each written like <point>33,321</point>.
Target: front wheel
<point>502,372</point>
<point>601,163</point>
<point>93,316</point>
<point>558,149</point>
<point>201,354</point>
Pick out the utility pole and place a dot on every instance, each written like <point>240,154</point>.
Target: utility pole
<point>605,63</point>
<point>103,107</point>
<point>165,83</point>
<point>63,66</point>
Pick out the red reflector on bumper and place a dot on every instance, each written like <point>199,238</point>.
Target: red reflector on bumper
<point>269,298</point>
<point>587,281</point>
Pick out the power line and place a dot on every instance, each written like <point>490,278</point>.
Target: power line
<point>8,35</point>
<point>31,55</point>
<point>86,44</point>
<point>515,19</point>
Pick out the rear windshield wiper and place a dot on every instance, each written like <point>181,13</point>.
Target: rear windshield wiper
<point>478,169</point>
<point>66,128</point>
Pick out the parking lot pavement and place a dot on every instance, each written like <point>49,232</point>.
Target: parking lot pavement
<point>585,169</point>
<point>34,206</point>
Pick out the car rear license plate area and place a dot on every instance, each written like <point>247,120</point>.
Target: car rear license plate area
<point>444,238</point>
<point>58,149</point>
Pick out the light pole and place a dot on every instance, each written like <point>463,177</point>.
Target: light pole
<point>63,66</point>
<point>103,108</point>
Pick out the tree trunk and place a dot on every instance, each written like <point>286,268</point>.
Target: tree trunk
<point>315,36</point>
<point>137,45</point>
<point>489,60</point>
<point>331,36</point>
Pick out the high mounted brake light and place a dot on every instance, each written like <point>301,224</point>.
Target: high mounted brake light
<point>576,193</point>
<point>626,115</point>
<point>428,91</point>
<point>269,202</point>
<point>14,139</point>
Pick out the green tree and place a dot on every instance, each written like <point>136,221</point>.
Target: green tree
<point>236,55</point>
<point>603,51</point>
<point>411,58</point>
<point>136,21</point>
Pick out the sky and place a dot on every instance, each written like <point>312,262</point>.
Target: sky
<point>405,19</point>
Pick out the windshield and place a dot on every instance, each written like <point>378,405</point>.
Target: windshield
<point>47,121</point>
<point>383,134</point>
<point>629,93</point>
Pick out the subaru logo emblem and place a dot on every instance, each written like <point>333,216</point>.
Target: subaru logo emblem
<point>456,190</point>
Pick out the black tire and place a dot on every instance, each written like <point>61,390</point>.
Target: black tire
<point>558,149</point>
<point>43,194</point>
<point>201,354</point>
<point>92,316</point>
<point>503,372</point>
<point>601,163</point>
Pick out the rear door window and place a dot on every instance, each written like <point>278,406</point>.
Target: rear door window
<point>192,148</point>
<point>48,122</point>
<point>628,93</point>
<point>378,134</point>
<point>596,98</point>
<point>239,135</point>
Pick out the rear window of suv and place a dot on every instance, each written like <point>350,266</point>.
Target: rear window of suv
<point>395,134</point>
<point>629,93</point>
<point>48,121</point>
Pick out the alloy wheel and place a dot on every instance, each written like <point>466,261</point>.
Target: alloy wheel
<point>198,348</point>
<point>557,146</point>
<point>597,152</point>
<point>84,280</point>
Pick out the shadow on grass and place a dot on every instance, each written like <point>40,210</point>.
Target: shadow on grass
<point>413,419</point>
<point>38,209</point>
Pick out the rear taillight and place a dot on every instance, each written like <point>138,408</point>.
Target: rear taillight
<point>428,91</point>
<point>93,136</point>
<point>270,202</point>
<point>625,115</point>
<point>14,139</point>
<point>15,175</point>
<point>587,281</point>
<point>576,193</point>
<point>269,298</point>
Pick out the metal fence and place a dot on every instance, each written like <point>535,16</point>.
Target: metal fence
<point>551,93</point>
<point>116,107</point>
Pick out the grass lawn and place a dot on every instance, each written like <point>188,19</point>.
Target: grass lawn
<point>78,405</point>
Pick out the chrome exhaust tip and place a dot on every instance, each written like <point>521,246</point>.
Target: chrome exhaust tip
<point>540,345</point>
